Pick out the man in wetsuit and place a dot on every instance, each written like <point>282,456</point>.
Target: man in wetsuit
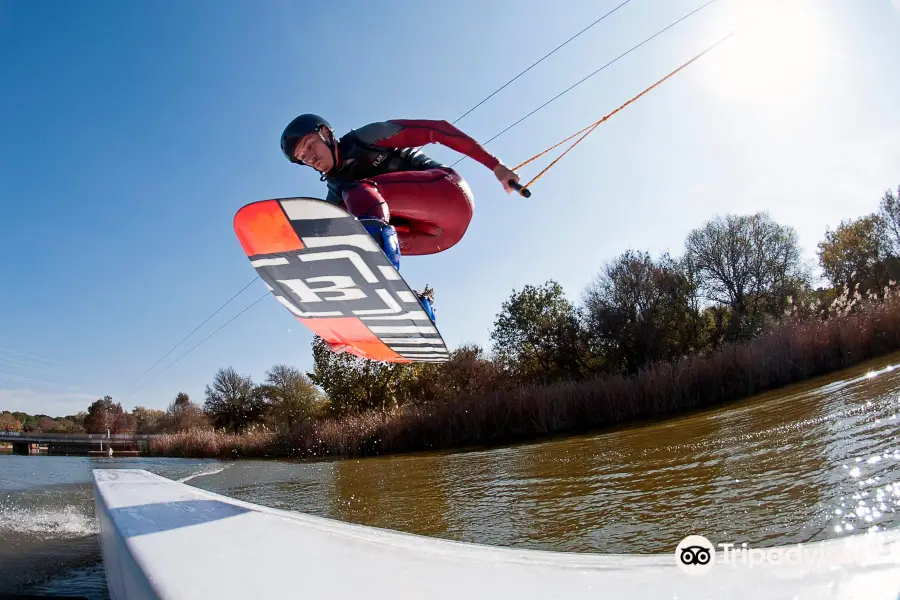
<point>378,170</point>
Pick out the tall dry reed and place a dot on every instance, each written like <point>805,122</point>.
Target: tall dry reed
<point>209,443</point>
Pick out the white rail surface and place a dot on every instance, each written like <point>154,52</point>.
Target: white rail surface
<point>165,539</point>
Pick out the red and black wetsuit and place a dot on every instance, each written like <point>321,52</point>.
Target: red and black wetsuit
<point>381,173</point>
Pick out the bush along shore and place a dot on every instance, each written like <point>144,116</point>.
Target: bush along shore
<point>791,353</point>
<point>738,313</point>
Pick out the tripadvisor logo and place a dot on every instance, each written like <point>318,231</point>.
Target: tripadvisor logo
<point>695,555</point>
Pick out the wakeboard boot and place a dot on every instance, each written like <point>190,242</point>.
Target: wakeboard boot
<point>385,236</point>
<point>426,299</point>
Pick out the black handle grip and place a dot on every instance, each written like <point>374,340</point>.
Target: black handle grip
<point>520,188</point>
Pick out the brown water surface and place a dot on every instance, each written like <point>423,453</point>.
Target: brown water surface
<point>815,461</point>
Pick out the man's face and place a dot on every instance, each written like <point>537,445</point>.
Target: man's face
<point>314,152</point>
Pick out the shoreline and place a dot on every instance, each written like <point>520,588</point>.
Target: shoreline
<point>790,356</point>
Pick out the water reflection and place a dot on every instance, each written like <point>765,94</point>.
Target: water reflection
<point>406,492</point>
<point>814,461</point>
<point>806,463</point>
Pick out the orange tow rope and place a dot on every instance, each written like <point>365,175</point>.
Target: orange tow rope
<point>523,190</point>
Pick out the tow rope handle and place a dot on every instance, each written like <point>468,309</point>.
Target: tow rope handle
<point>524,191</point>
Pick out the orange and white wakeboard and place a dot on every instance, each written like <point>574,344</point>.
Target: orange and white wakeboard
<point>325,268</point>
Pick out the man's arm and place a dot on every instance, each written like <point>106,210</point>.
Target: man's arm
<point>335,194</point>
<point>407,133</point>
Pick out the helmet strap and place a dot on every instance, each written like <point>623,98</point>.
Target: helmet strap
<point>331,146</point>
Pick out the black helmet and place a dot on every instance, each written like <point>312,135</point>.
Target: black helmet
<point>298,128</point>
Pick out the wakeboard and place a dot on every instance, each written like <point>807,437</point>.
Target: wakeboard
<point>321,264</point>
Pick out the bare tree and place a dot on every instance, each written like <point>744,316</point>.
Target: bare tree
<point>750,264</point>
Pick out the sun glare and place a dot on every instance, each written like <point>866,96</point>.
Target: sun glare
<point>776,60</point>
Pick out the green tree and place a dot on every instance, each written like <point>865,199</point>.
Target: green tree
<point>232,401</point>
<point>291,395</point>
<point>8,420</point>
<point>538,336</point>
<point>183,414</point>
<point>355,384</point>
<point>639,311</point>
<point>467,372</point>
<point>853,254</point>
<point>104,414</point>
<point>148,420</point>
<point>29,422</point>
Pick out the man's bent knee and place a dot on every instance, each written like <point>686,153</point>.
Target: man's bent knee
<point>364,200</point>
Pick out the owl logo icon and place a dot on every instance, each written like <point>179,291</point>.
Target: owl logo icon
<point>695,555</point>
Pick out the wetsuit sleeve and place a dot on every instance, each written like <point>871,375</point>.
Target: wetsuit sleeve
<point>408,133</point>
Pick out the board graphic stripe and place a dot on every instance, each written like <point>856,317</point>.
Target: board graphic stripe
<point>419,315</point>
<point>262,228</point>
<point>311,209</point>
<point>363,241</point>
<point>402,329</point>
<point>389,273</point>
<point>425,349</point>
<point>407,297</point>
<point>317,228</point>
<point>269,262</point>
<point>351,331</point>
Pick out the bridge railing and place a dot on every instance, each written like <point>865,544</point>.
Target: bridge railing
<point>76,437</point>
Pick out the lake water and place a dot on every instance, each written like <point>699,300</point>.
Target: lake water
<point>811,462</point>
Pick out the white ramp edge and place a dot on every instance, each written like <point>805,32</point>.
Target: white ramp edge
<point>165,539</point>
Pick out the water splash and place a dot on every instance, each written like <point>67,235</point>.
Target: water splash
<point>204,472</point>
<point>54,523</point>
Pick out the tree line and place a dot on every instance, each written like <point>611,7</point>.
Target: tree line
<point>737,277</point>
<point>233,401</point>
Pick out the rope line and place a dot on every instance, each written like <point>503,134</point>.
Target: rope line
<point>195,346</point>
<point>459,118</point>
<point>582,80</point>
<point>590,128</point>
<point>128,387</point>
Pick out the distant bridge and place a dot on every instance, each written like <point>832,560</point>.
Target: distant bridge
<point>75,443</point>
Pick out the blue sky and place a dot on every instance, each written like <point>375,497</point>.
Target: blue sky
<point>132,133</point>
